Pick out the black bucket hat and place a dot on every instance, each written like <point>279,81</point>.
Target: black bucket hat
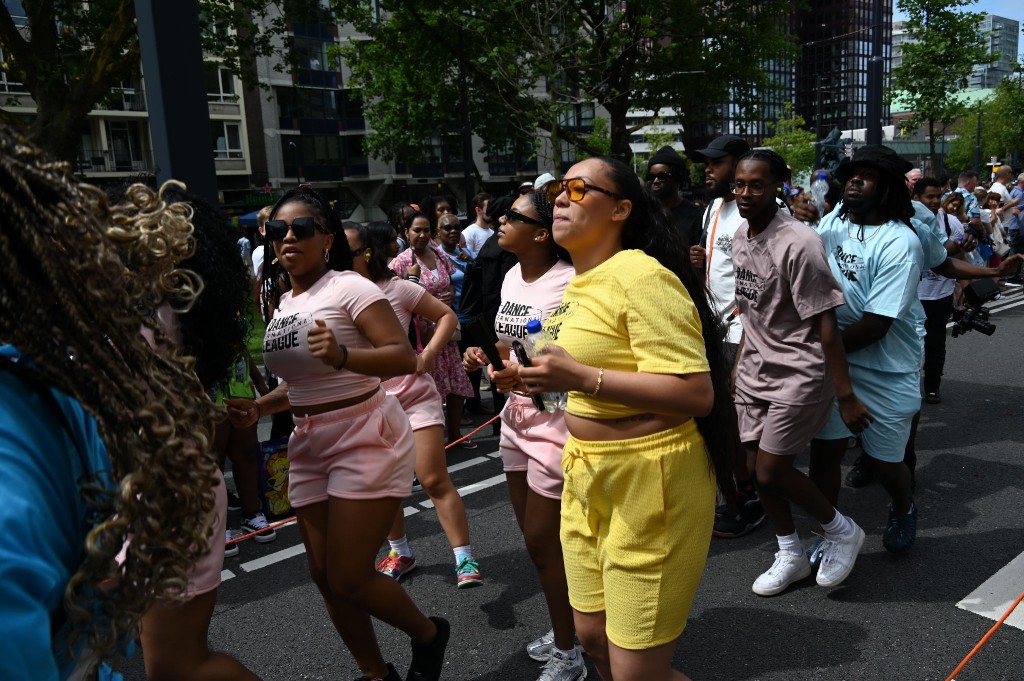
<point>876,156</point>
<point>726,145</point>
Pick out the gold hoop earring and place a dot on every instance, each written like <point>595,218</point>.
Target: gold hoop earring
<point>327,255</point>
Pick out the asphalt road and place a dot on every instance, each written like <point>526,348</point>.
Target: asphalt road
<point>896,617</point>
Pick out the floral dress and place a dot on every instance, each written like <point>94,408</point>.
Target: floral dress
<point>448,372</point>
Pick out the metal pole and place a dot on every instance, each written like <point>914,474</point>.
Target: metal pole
<point>876,72</point>
<point>179,115</point>
<point>467,134</point>
<point>977,147</point>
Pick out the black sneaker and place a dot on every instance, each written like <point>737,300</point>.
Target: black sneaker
<point>860,475</point>
<point>428,660</point>
<point>258,524</point>
<point>901,530</point>
<point>234,503</point>
<point>731,526</point>
<point>932,397</point>
<point>392,675</point>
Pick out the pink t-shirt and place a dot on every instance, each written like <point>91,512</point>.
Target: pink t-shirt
<point>404,296</point>
<point>783,281</point>
<point>522,302</point>
<point>337,298</point>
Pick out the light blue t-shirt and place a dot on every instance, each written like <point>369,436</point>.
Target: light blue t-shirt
<point>1017,223</point>
<point>879,270</point>
<point>43,519</point>
<point>932,237</point>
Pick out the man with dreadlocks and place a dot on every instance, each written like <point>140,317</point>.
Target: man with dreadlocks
<point>99,433</point>
<point>876,255</point>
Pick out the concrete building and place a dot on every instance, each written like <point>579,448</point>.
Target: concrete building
<point>1001,35</point>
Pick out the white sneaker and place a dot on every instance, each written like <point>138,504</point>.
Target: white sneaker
<point>838,556</point>
<point>540,648</point>
<point>229,549</point>
<point>560,667</point>
<point>787,568</point>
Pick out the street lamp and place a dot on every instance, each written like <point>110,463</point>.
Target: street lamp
<point>297,148</point>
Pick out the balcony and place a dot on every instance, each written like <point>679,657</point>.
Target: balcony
<point>110,161</point>
<point>124,100</point>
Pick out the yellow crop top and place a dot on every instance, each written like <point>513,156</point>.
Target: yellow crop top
<point>627,314</point>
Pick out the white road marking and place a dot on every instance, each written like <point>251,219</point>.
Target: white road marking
<point>410,510</point>
<point>997,594</point>
<point>470,489</point>
<point>276,557</point>
<point>466,464</point>
<point>225,575</point>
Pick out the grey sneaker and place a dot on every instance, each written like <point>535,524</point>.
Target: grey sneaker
<point>838,556</point>
<point>560,667</point>
<point>540,648</point>
<point>230,549</point>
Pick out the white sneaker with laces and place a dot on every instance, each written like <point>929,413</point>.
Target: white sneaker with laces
<point>838,556</point>
<point>230,550</point>
<point>560,667</point>
<point>540,648</point>
<point>787,568</point>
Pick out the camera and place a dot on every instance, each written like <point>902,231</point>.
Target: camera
<point>975,316</point>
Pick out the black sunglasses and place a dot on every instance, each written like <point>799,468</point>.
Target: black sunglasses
<point>659,177</point>
<point>576,188</point>
<point>302,228</point>
<point>511,215</point>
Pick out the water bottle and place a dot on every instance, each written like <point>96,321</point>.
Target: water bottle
<point>536,339</point>
<point>819,189</point>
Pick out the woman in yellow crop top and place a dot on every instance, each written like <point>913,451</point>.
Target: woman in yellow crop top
<point>637,347</point>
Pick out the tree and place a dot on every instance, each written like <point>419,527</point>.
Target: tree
<point>69,55</point>
<point>532,65</point>
<point>945,48</point>
<point>1002,129</point>
<point>793,141</point>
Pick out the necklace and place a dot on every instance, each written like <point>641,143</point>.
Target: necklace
<point>860,232</point>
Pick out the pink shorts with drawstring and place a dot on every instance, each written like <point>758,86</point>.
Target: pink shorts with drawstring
<point>419,398</point>
<point>533,441</point>
<point>365,451</point>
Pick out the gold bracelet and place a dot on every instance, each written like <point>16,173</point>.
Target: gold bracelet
<point>600,379</point>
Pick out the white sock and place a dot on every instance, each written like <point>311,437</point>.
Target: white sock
<point>569,654</point>
<point>839,526</point>
<point>463,552</point>
<point>790,543</point>
<point>401,546</point>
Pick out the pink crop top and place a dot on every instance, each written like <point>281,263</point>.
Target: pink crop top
<point>404,296</point>
<point>337,298</point>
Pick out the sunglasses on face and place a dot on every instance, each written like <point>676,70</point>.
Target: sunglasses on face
<point>511,215</point>
<point>659,177</point>
<point>576,188</point>
<point>302,228</point>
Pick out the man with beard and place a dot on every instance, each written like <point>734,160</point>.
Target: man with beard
<point>713,256</point>
<point>479,231</point>
<point>876,255</point>
<point>665,171</point>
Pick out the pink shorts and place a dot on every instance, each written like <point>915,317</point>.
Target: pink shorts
<point>782,429</point>
<point>205,576</point>
<point>419,398</point>
<point>532,441</point>
<point>365,451</point>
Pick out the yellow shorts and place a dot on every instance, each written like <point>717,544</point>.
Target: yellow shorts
<point>636,526</point>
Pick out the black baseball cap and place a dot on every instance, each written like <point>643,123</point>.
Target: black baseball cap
<point>726,145</point>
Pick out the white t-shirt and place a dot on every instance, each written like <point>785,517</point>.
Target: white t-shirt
<point>337,298</point>
<point>935,286</point>
<point>722,224</point>
<point>257,262</point>
<point>1004,198</point>
<point>475,236</point>
<point>522,302</point>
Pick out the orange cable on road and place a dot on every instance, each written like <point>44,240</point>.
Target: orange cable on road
<point>985,638</point>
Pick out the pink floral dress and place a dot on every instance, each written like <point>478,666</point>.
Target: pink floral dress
<point>448,372</point>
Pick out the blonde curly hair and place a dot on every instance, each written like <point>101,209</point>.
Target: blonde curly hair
<point>103,272</point>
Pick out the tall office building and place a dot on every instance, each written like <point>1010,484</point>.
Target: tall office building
<point>832,71</point>
<point>1001,36</point>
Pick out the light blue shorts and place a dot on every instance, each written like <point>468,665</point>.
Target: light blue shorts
<point>892,399</point>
